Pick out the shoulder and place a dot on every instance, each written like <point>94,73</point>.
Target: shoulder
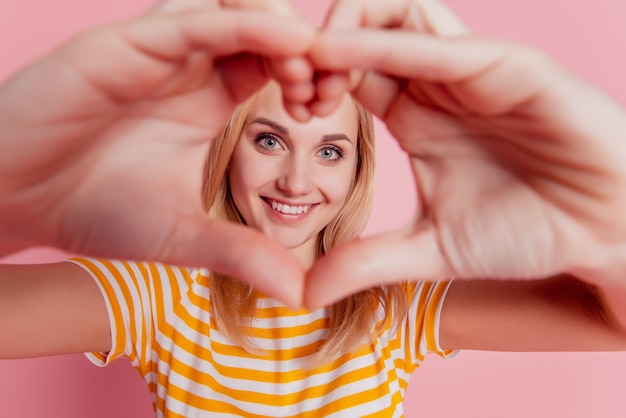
<point>145,276</point>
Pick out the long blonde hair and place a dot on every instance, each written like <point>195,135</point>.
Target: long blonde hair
<point>352,321</point>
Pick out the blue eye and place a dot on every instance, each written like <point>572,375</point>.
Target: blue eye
<point>331,154</point>
<point>267,141</point>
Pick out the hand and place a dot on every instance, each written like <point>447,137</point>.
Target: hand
<point>286,69</point>
<point>428,16</point>
<point>102,142</point>
<point>518,165</point>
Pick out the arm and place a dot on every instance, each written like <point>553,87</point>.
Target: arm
<point>50,309</point>
<point>556,314</point>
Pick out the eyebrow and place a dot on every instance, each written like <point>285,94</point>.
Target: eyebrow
<point>275,126</point>
<point>284,131</point>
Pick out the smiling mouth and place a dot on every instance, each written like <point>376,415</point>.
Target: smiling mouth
<point>287,209</point>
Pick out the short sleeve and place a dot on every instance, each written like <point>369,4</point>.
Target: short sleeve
<point>423,320</point>
<point>127,290</point>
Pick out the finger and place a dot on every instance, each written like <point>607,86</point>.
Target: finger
<point>406,55</point>
<point>424,58</point>
<point>380,260</point>
<point>220,33</point>
<point>323,108</point>
<point>427,16</point>
<point>333,86</point>
<point>238,252</point>
<point>377,92</point>
<point>244,74</point>
<point>177,6</point>
<point>353,14</point>
<point>295,75</point>
<point>152,48</point>
<point>439,20</point>
<point>279,7</point>
<point>247,31</point>
<point>422,16</point>
<point>194,240</point>
<point>330,90</point>
<point>291,70</point>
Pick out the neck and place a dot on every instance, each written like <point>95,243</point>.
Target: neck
<point>306,253</point>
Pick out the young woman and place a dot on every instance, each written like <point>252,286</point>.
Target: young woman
<point>208,344</point>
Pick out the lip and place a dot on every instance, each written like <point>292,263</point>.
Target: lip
<point>288,217</point>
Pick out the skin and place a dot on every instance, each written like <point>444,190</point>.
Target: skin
<point>461,107</point>
<point>541,217</point>
<point>278,159</point>
<point>142,99</point>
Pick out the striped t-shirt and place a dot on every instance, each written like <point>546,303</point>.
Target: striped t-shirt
<point>161,321</point>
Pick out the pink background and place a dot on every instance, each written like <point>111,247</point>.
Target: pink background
<point>587,37</point>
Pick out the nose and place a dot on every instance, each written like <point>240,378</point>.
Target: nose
<point>296,178</point>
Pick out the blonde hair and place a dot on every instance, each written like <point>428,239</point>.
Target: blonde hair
<point>352,321</point>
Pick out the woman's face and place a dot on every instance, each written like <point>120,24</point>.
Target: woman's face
<point>290,179</point>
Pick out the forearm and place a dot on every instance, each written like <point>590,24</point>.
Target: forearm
<point>559,314</point>
<point>611,297</point>
<point>50,309</point>
<point>605,272</point>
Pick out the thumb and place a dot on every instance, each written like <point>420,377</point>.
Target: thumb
<point>239,252</point>
<point>380,260</point>
<point>192,240</point>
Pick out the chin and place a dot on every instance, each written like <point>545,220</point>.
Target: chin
<point>292,243</point>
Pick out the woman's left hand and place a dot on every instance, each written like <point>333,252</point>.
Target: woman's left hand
<point>519,166</point>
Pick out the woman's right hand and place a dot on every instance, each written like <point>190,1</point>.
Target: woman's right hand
<point>102,142</point>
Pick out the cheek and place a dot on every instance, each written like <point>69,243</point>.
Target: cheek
<point>337,185</point>
<point>248,176</point>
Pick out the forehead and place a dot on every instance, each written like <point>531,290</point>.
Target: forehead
<point>268,104</point>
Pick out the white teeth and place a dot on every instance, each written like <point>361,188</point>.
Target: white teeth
<point>289,210</point>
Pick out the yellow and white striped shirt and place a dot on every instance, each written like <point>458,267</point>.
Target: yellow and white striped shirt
<point>161,321</point>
